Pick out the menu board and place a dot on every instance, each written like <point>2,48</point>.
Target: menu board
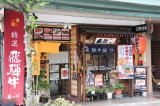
<point>140,72</point>
<point>55,34</point>
<point>54,76</point>
<point>65,34</point>
<point>125,62</point>
<point>98,79</point>
<point>47,33</point>
<point>140,84</point>
<point>105,78</point>
<point>38,33</point>
<point>140,78</point>
<point>89,80</point>
<point>54,68</point>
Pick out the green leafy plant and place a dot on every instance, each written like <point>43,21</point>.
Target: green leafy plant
<point>119,86</point>
<point>13,100</point>
<point>97,90</point>
<point>110,90</point>
<point>62,102</point>
<point>86,91</point>
<point>103,89</point>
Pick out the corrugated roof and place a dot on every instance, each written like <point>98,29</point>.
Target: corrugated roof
<point>138,9</point>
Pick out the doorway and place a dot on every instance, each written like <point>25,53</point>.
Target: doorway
<point>59,77</point>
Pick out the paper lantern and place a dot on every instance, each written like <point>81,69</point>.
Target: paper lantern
<point>140,43</point>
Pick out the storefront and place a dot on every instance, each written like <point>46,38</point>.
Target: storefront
<point>107,55</point>
<point>52,46</point>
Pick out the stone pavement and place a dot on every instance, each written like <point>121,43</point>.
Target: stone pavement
<point>127,101</point>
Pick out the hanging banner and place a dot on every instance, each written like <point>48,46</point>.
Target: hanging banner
<point>14,57</point>
<point>125,62</point>
<point>100,49</point>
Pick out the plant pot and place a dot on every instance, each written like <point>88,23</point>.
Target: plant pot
<point>118,91</point>
<point>109,95</point>
<point>37,97</point>
<point>11,104</point>
<point>45,99</point>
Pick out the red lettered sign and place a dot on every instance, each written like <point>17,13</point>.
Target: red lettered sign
<point>14,56</point>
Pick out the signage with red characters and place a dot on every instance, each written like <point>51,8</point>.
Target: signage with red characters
<point>14,57</point>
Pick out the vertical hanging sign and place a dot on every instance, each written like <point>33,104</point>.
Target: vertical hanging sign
<point>14,57</point>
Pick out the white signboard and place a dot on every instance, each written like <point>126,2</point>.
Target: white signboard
<point>54,76</point>
<point>54,68</point>
<point>56,58</point>
<point>125,62</point>
<point>105,40</point>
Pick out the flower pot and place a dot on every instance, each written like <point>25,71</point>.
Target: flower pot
<point>37,97</point>
<point>11,104</point>
<point>118,91</point>
<point>109,95</point>
<point>45,99</point>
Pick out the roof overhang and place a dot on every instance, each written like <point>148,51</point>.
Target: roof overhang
<point>52,19</point>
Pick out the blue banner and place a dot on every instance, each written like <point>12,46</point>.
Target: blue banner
<point>100,49</point>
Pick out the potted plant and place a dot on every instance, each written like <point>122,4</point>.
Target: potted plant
<point>110,92</point>
<point>103,89</point>
<point>45,86</point>
<point>40,85</point>
<point>12,102</point>
<point>119,87</point>
<point>97,91</point>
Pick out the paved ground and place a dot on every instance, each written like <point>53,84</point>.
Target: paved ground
<point>129,101</point>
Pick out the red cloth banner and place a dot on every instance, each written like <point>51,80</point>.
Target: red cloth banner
<point>14,56</point>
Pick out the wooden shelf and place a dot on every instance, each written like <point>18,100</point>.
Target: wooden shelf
<point>113,72</point>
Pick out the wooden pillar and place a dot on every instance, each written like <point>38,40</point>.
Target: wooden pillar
<point>84,63</point>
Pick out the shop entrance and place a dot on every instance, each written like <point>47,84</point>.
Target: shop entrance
<point>59,79</point>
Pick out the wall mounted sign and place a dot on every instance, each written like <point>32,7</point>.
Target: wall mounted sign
<point>14,57</point>
<point>64,73</point>
<point>54,34</point>
<point>105,41</point>
<point>98,79</point>
<point>54,76</point>
<point>87,77</point>
<point>100,49</point>
<point>140,43</point>
<point>54,68</point>
<point>105,78</point>
<point>139,28</point>
<point>125,62</point>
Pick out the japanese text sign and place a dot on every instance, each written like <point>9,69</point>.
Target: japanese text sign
<point>97,49</point>
<point>125,62</point>
<point>105,78</point>
<point>14,56</point>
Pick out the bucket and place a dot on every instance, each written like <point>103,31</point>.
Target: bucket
<point>144,94</point>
